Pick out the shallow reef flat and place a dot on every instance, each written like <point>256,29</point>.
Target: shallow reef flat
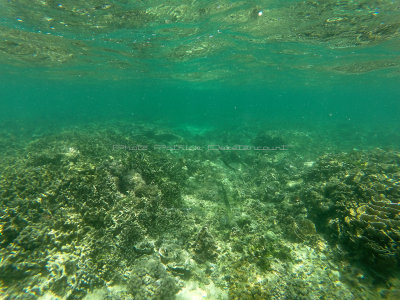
<point>135,211</point>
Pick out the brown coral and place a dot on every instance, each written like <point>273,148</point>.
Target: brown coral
<point>376,226</point>
<point>354,199</point>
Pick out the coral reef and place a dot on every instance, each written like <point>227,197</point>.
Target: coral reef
<point>263,139</point>
<point>77,215</point>
<point>354,198</point>
<point>80,219</point>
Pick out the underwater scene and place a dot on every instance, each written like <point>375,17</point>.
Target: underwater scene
<point>187,150</point>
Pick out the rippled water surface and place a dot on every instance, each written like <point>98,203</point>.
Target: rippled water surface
<point>199,41</point>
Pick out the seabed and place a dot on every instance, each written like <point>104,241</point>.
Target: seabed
<point>83,219</point>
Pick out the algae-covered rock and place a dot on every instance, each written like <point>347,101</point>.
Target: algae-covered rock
<point>204,246</point>
<point>150,280</point>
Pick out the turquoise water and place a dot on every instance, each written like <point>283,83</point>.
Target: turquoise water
<point>298,61</point>
<point>81,79</point>
<point>65,102</point>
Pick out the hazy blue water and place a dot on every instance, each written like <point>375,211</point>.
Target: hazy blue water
<point>41,102</point>
<point>298,64</point>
